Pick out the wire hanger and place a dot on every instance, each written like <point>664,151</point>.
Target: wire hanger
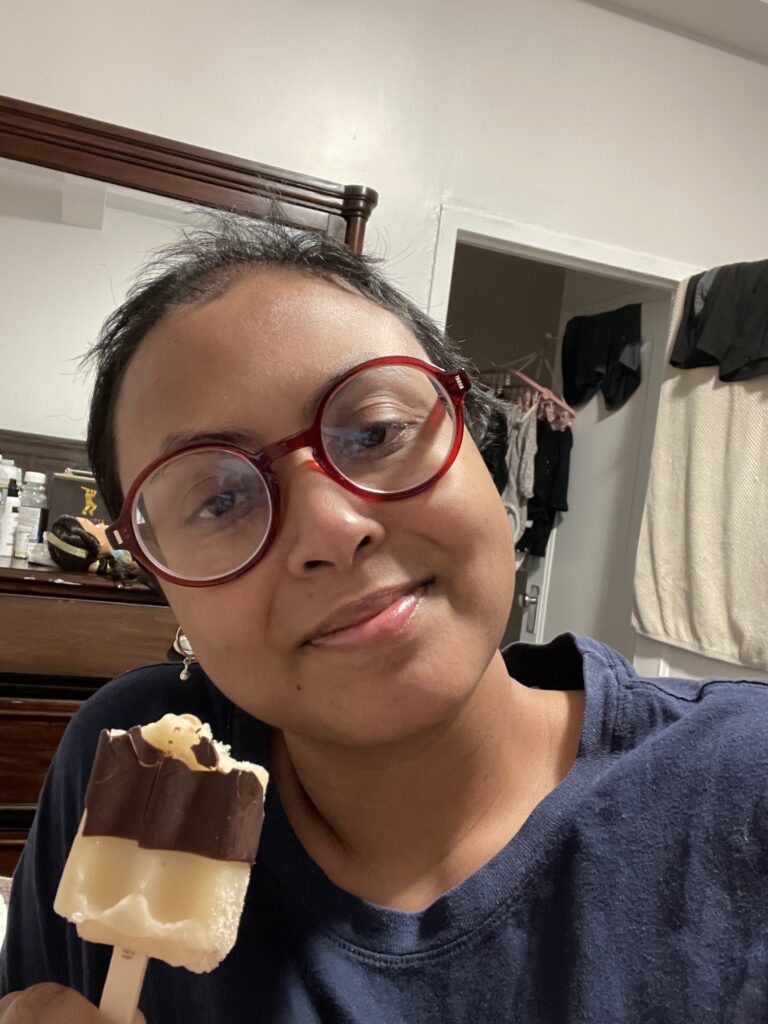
<point>550,406</point>
<point>501,377</point>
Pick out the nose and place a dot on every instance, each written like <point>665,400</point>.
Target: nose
<point>323,523</point>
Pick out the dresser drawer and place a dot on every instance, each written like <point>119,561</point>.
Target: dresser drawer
<point>11,845</point>
<point>67,636</point>
<point>30,731</point>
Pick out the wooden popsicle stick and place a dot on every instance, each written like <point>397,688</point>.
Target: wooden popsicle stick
<point>120,998</point>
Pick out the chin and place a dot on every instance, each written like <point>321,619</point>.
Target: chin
<point>389,708</point>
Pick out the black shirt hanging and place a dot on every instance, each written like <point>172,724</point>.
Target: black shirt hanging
<point>602,353</point>
<point>550,486</point>
<point>725,322</point>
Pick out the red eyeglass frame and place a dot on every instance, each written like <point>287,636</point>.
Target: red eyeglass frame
<point>122,535</point>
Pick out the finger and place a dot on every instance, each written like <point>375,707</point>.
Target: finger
<point>6,1001</point>
<point>48,1004</point>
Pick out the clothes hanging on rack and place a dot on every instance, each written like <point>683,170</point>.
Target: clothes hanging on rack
<point>725,322</point>
<point>511,384</point>
<point>602,353</point>
<point>521,456</point>
<point>529,405</point>
<point>527,392</point>
<point>550,487</point>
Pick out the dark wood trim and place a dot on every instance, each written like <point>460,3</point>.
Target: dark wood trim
<point>11,845</point>
<point>43,453</point>
<point>19,710</point>
<point>25,688</point>
<point>95,149</point>
<point>17,577</point>
<point>15,817</point>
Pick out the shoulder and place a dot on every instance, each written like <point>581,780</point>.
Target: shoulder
<point>729,715</point>
<point>688,755</point>
<point>722,707</point>
<point>706,725</point>
<point>731,719</point>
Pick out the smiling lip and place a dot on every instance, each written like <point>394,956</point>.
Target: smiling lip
<point>372,618</point>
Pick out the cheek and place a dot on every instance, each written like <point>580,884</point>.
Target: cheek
<point>227,626</point>
<point>464,527</point>
<point>470,520</point>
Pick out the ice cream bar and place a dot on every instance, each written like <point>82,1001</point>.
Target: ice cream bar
<point>161,860</point>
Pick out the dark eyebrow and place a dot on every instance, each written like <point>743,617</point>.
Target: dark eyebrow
<point>248,442</point>
<point>231,438</point>
<point>313,401</point>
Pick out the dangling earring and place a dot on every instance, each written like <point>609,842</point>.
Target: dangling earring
<point>183,647</point>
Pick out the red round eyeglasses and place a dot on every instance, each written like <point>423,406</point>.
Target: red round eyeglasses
<point>207,513</point>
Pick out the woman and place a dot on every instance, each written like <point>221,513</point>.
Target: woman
<point>452,834</point>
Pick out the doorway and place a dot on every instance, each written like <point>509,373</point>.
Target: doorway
<point>505,299</point>
<point>505,309</point>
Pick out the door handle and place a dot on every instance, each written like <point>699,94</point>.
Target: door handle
<point>529,602</point>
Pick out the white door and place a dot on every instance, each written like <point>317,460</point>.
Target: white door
<point>585,582</point>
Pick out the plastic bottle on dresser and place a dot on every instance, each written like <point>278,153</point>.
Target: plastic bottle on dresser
<point>9,519</point>
<point>6,464</point>
<point>6,472</point>
<point>33,506</point>
<point>14,473</point>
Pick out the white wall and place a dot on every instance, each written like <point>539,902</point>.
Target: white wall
<point>552,112</point>
<point>593,548</point>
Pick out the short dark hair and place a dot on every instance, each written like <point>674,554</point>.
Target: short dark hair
<point>202,265</point>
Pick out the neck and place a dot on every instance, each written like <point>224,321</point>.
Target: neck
<point>401,824</point>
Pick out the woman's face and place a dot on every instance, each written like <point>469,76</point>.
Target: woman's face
<point>442,562</point>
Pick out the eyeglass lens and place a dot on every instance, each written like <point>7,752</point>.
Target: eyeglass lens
<point>204,514</point>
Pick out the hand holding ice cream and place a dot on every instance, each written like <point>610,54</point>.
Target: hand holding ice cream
<point>51,1004</point>
<point>160,864</point>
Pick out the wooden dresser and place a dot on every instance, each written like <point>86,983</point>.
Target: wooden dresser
<point>62,635</point>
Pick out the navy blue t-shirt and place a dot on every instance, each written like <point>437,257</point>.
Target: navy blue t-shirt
<point>636,891</point>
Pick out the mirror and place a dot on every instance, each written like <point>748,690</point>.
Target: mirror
<point>70,246</point>
<point>82,202</point>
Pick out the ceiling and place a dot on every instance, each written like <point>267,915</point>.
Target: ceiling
<point>740,26</point>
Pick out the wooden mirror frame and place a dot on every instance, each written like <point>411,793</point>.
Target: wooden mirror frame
<point>95,149</point>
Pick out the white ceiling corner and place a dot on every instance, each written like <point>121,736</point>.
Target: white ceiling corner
<point>738,26</point>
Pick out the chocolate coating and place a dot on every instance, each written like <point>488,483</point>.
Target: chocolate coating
<point>205,753</point>
<point>137,792</point>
